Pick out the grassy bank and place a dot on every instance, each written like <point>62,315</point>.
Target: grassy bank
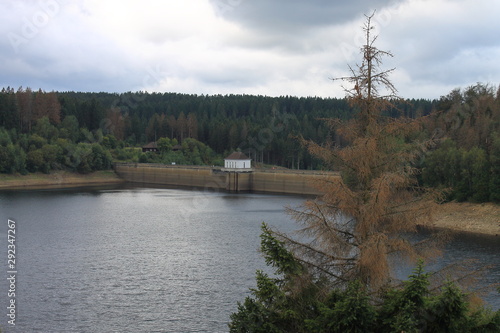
<point>59,179</point>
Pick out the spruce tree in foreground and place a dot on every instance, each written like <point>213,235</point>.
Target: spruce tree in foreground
<point>293,301</point>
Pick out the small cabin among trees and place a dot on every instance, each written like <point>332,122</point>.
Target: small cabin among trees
<point>237,160</point>
<point>150,147</point>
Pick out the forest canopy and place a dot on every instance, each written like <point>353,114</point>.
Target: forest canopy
<point>265,128</point>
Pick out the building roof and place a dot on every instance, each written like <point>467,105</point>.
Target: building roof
<point>237,155</point>
<point>150,145</point>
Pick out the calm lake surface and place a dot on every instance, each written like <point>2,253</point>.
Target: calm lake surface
<point>148,260</point>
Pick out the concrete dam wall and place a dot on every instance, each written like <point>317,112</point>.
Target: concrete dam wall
<point>272,181</point>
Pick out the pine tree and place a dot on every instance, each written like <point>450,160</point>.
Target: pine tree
<point>54,107</point>
<point>192,126</point>
<point>181,126</point>
<point>25,107</point>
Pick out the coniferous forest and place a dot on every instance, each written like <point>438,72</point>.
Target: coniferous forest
<point>83,132</point>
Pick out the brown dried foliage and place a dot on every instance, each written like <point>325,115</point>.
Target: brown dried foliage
<point>33,106</point>
<point>365,215</point>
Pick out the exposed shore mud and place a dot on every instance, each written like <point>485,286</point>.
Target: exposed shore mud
<point>60,179</point>
<point>469,217</point>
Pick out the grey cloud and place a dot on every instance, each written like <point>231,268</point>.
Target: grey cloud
<point>293,15</point>
<point>271,47</point>
<point>293,26</point>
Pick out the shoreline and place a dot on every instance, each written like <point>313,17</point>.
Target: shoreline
<point>458,217</point>
<point>58,180</point>
<point>477,218</point>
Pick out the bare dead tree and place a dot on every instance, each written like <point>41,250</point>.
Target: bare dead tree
<point>366,215</point>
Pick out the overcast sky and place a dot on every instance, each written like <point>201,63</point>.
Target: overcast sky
<point>266,47</point>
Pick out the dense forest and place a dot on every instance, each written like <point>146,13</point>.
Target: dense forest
<point>466,158</point>
<point>83,132</point>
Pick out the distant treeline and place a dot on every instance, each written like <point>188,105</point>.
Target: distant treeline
<point>466,161</point>
<point>262,126</point>
<point>50,130</point>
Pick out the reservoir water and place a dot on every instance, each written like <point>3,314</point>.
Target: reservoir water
<point>148,260</point>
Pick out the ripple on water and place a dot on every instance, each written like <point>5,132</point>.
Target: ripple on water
<point>143,260</point>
